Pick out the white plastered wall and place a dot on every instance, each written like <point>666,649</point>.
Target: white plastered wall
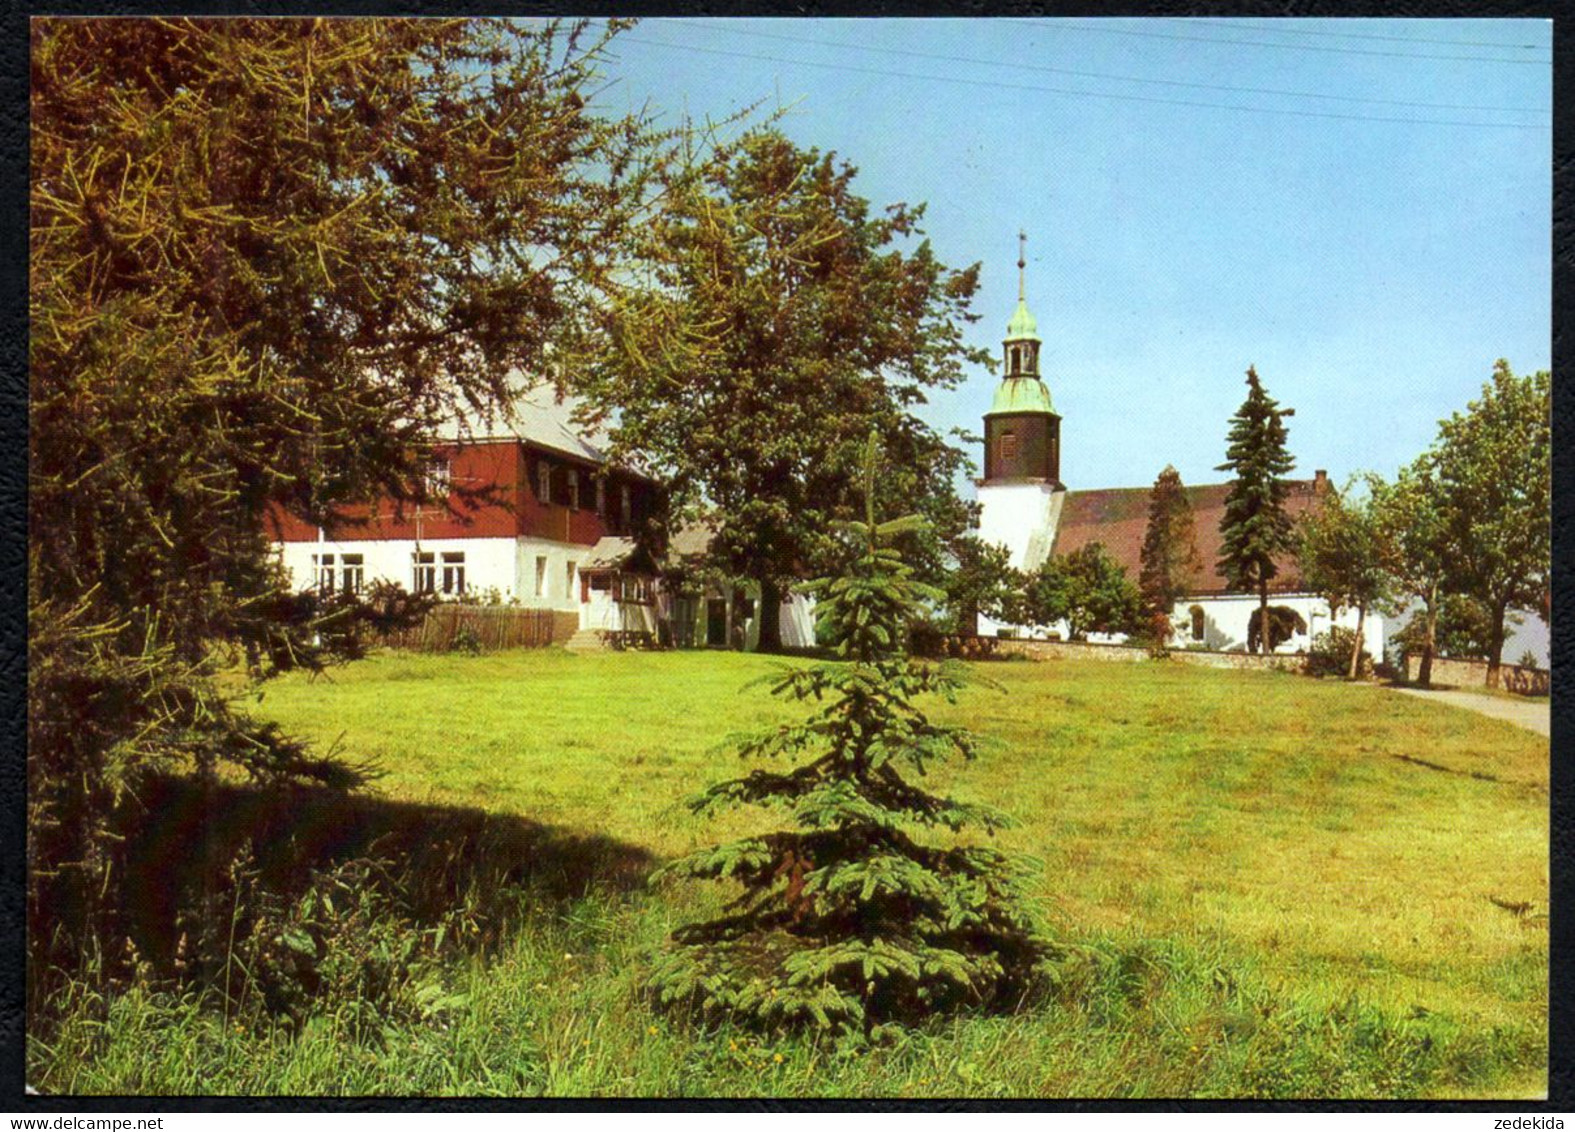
<point>797,623</point>
<point>1019,516</point>
<point>1225,621</point>
<point>1226,618</point>
<point>562,592</point>
<point>505,564</point>
<point>489,562</point>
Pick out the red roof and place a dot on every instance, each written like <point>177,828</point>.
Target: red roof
<point>1118,518</point>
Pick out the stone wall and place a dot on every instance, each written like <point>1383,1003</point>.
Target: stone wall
<point>1280,662</point>
<point>977,648</point>
<point>1473,674</point>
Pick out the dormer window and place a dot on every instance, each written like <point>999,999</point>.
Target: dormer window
<point>435,479</point>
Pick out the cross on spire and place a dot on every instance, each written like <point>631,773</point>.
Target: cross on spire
<point>1022,261</point>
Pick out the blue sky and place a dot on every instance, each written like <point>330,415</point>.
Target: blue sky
<point>1360,208</point>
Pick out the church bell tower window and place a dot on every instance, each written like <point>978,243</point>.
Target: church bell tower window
<point>1008,445</point>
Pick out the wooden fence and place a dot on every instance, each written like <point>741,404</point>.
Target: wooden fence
<point>491,627</point>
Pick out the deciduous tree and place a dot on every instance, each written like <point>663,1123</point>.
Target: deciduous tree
<point>1255,529</point>
<point>1414,543</point>
<point>980,581</point>
<point>1495,476</point>
<point>267,259</point>
<point>1341,555</point>
<point>1088,590</point>
<point>783,318</point>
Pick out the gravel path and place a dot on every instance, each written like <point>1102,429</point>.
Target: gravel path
<point>1530,714</point>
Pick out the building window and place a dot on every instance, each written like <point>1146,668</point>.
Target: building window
<point>543,481</point>
<point>353,573</point>
<point>601,497</point>
<point>435,478</point>
<point>1197,622</point>
<point>323,573</point>
<point>574,489</point>
<point>625,508</point>
<point>568,581</point>
<point>454,572</point>
<point>424,572</point>
<point>541,575</point>
<point>1008,445</point>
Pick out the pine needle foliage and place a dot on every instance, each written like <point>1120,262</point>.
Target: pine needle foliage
<point>847,921</point>
<point>1170,556</point>
<point>1256,530</point>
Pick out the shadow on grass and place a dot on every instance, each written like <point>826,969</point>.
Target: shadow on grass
<point>186,849</point>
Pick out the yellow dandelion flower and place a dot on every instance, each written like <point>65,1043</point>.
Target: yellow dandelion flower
<point>651,1030</point>
<point>777,1058</point>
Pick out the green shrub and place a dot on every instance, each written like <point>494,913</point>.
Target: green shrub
<point>343,941</point>
<point>1330,654</point>
<point>466,640</point>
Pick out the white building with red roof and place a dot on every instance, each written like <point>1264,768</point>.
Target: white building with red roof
<point>1025,508</point>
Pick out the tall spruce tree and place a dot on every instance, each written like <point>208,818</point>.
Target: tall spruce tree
<point>1256,529</point>
<point>1170,551</point>
<point>846,921</point>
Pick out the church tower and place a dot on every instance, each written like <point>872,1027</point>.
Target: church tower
<point>1021,492</point>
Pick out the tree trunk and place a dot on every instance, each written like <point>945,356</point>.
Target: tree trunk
<point>1496,642</point>
<point>1265,635</point>
<point>768,615</point>
<point>1356,647</point>
<point>968,619</point>
<point>1424,672</point>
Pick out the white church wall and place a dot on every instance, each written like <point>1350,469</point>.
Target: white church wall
<point>1226,618</point>
<point>1011,514</point>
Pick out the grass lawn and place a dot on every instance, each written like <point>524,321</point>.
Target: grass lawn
<point>1266,885</point>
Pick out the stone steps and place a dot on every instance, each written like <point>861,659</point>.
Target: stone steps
<point>585,640</point>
